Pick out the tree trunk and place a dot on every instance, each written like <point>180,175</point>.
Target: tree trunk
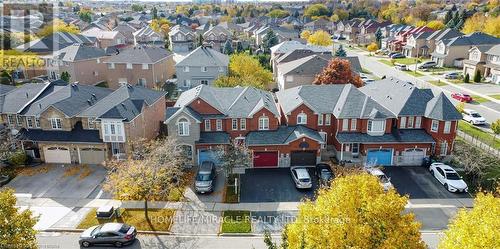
<point>146,209</point>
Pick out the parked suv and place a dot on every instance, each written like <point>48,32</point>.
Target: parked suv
<point>473,117</point>
<point>400,66</point>
<point>324,173</point>
<point>427,64</point>
<point>205,177</point>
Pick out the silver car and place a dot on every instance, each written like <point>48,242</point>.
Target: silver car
<point>301,177</point>
<point>205,178</point>
<point>117,234</point>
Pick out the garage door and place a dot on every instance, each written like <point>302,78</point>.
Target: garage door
<point>379,157</point>
<point>413,157</point>
<point>92,155</point>
<point>265,159</point>
<point>208,155</point>
<point>303,158</point>
<point>57,155</point>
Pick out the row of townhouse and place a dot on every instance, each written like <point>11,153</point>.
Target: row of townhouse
<point>184,38</point>
<point>389,122</point>
<point>56,122</point>
<point>484,59</point>
<point>358,31</point>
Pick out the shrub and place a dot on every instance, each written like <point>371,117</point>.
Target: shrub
<point>393,61</point>
<point>467,78</point>
<point>18,158</point>
<point>477,77</point>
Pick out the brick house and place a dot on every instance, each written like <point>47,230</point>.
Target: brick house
<point>492,66</point>
<point>105,38</point>
<point>476,60</point>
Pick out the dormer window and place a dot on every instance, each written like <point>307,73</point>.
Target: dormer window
<point>376,127</point>
<point>56,123</point>
<point>302,118</point>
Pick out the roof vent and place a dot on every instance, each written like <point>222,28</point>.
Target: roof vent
<point>89,102</point>
<point>93,96</point>
<point>27,95</point>
<point>40,105</point>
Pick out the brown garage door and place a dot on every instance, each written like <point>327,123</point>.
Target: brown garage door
<point>303,158</point>
<point>92,155</point>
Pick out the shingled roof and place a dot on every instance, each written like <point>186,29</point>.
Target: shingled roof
<point>140,55</point>
<point>204,56</point>
<point>283,135</point>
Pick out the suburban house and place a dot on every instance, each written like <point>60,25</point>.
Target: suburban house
<point>401,38</point>
<point>438,35</point>
<point>367,31</point>
<point>319,24</point>
<point>105,38</point>
<point>476,60</point>
<point>452,52</point>
<point>294,55</point>
<point>147,36</point>
<point>84,124</point>
<point>283,34</point>
<point>182,39</point>
<point>54,42</point>
<point>145,66</point>
<point>215,37</point>
<point>416,45</point>
<point>201,67</point>
<point>84,64</point>
<point>492,66</point>
<point>287,46</point>
<point>351,30</point>
<point>127,31</point>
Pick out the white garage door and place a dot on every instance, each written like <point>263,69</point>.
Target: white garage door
<point>413,157</point>
<point>57,155</point>
<point>92,155</point>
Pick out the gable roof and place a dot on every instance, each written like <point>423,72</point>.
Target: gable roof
<point>78,52</point>
<point>444,34</point>
<point>283,135</point>
<point>16,100</point>
<point>146,31</point>
<point>286,46</point>
<point>100,34</point>
<point>54,42</point>
<point>476,38</point>
<point>181,28</point>
<point>139,55</point>
<point>314,64</point>
<point>495,50</point>
<point>441,108</point>
<point>204,56</point>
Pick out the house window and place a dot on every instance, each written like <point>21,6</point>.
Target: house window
<point>29,122</point>
<point>410,122</point>
<point>243,124</point>
<point>289,78</point>
<point>376,127</point>
<point>302,118</point>
<point>145,66</point>
<point>434,125</point>
<point>187,83</point>
<point>207,124</point>
<point>129,65</point>
<point>418,122</point>
<point>443,149</point>
<point>19,121</point>
<point>263,123</point>
<point>122,81</point>
<point>320,119</point>
<point>56,123</point>
<point>234,124</point>
<point>183,127</point>
<point>353,124</point>
<point>402,124</point>
<point>345,124</point>
<point>447,127</point>
<point>328,119</point>
<point>111,66</point>
<point>141,82</point>
<point>219,124</point>
<point>91,123</point>
<point>204,82</point>
<point>37,122</point>
<point>221,69</point>
<point>186,69</point>
<point>204,69</point>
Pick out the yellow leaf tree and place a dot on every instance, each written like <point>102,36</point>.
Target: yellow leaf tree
<point>305,34</point>
<point>244,70</point>
<point>372,47</point>
<point>355,213</point>
<point>474,23</point>
<point>320,38</point>
<point>435,24</point>
<point>160,25</point>
<point>58,25</point>
<point>476,228</point>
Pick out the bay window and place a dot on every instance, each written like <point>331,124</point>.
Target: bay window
<point>376,127</point>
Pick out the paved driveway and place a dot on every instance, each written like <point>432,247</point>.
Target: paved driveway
<point>272,185</point>
<point>58,182</point>
<point>418,183</point>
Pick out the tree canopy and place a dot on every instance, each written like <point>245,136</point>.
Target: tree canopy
<point>278,13</point>
<point>269,40</point>
<point>320,38</point>
<point>58,25</point>
<point>479,22</point>
<point>161,25</point>
<point>354,212</point>
<point>316,10</point>
<point>245,70</point>
<point>338,71</point>
<point>305,34</point>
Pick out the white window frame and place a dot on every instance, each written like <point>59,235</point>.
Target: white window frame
<point>436,124</point>
<point>402,123</point>
<point>204,69</point>
<point>19,120</point>
<point>145,66</point>
<point>218,124</point>
<point>302,119</point>
<point>111,65</point>
<point>354,124</point>
<point>373,124</point>
<point>410,122</point>
<point>11,118</point>
<point>328,119</point>
<point>55,123</point>
<point>243,124</point>
<point>37,122</point>
<point>186,69</point>
<point>187,83</point>
<point>443,149</point>
<point>263,123</point>
<point>183,127</point>
<point>234,124</point>
<point>418,122</point>
<point>30,122</point>
<point>207,124</point>
<point>345,124</point>
<point>91,123</point>
<point>320,119</point>
<point>129,66</point>
<point>447,127</point>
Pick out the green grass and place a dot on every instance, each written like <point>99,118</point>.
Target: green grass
<point>159,219</point>
<point>457,81</point>
<point>479,99</point>
<point>365,71</point>
<point>437,82</point>
<point>387,62</point>
<point>481,135</point>
<point>413,73</point>
<point>441,69</point>
<point>236,222</point>
<point>495,96</point>
<point>230,195</point>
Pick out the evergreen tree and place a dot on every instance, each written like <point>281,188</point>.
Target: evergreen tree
<point>65,76</point>
<point>378,37</point>
<point>5,78</point>
<point>200,40</point>
<point>448,17</point>
<point>228,47</point>
<point>239,47</point>
<point>269,41</point>
<point>340,52</point>
<point>467,78</point>
<point>155,13</point>
<point>477,76</point>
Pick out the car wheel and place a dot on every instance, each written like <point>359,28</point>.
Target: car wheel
<point>85,244</point>
<point>446,187</point>
<point>471,122</point>
<point>118,244</point>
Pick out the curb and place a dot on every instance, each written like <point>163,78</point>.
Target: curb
<point>69,230</point>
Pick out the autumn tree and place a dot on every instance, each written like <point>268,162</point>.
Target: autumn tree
<point>278,13</point>
<point>355,212</point>
<point>161,25</point>
<point>305,34</point>
<point>475,228</point>
<point>16,227</point>
<point>435,24</point>
<point>372,47</point>
<point>150,174</point>
<point>85,15</point>
<point>316,10</point>
<point>320,38</point>
<point>234,156</point>
<point>338,71</point>
<point>58,25</point>
<point>495,127</point>
<point>245,70</point>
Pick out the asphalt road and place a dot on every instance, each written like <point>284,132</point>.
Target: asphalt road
<point>490,112</point>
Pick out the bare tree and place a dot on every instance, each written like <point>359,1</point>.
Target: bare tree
<point>7,144</point>
<point>234,156</point>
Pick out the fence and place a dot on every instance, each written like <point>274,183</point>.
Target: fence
<point>478,143</point>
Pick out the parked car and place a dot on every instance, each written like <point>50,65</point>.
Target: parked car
<point>452,75</point>
<point>397,56</point>
<point>117,234</point>
<point>384,180</point>
<point>462,97</point>
<point>205,177</point>
<point>368,81</point>
<point>473,117</point>
<point>448,177</point>
<point>301,177</point>
<point>427,65</point>
<point>392,53</point>
<point>382,51</point>
<point>4,179</point>
<point>400,66</point>
<point>324,173</point>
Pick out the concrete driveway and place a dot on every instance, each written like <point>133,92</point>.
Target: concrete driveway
<point>60,181</point>
<point>272,185</point>
<point>418,183</point>
<point>215,196</point>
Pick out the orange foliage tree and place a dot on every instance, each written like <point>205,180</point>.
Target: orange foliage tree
<point>338,71</point>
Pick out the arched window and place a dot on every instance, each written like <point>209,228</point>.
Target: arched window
<point>263,123</point>
<point>302,118</point>
<point>183,127</point>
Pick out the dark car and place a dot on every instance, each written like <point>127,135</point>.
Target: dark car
<point>397,56</point>
<point>205,177</point>
<point>117,234</point>
<point>324,173</point>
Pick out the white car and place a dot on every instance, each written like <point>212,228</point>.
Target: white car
<point>473,117</point>
<point>448,177</point>
<point>384,180</point>
<point>301,177</point>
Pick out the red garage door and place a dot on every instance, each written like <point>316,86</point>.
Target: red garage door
<point>265,159</point>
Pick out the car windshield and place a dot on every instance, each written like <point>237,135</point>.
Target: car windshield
<point>383,178</point>
<point>452,176</point>
<point>476,115</point>
<point>124,228</point>
<point>95,231</point>
<point>304,180</point>
<point>203,177</point>
<point>466,95</point>
<point>325,174</point>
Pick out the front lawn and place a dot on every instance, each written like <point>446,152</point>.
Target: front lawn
<point>495,96</point>
<point>236,222</point>
<point>159,219</point>
<point>479,134</point>
<point>437,82</point>
<point>387,62</point>
<point>406,61</point>
<point>413,73</point>
<point>479,99</point>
